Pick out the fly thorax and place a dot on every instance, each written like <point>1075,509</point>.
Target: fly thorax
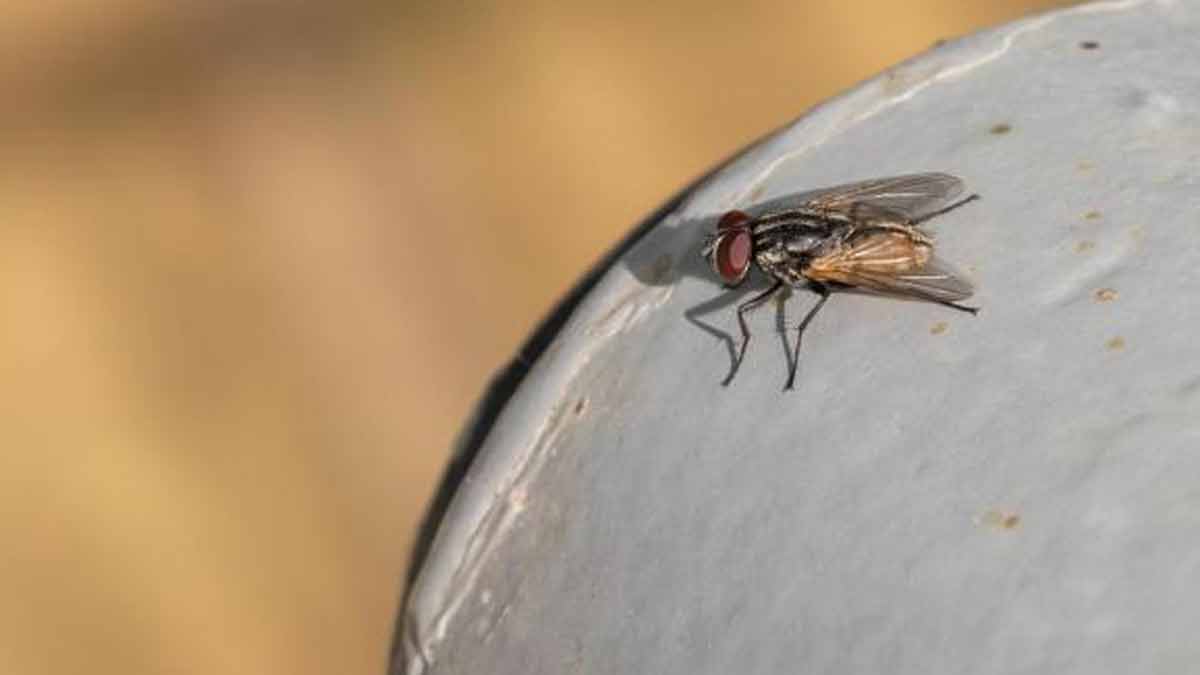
<point>798,246</point>
<point>825,246</point>
<point>772,256</point>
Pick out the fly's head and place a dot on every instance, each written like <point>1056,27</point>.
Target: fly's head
<point>731,249</point>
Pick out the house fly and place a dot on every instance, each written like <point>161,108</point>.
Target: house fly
<point>863,236</point>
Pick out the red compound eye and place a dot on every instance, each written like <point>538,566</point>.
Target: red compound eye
<point>731,259</point>
<point>731,220</point>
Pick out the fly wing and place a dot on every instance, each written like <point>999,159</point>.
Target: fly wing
<point>892,263</point>
<point>906,197</point>
<point>936,281</point>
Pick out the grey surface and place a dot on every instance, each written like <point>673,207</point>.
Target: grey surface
<point>1014,492</point>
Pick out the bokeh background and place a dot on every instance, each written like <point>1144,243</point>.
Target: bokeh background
<point>259,258</point>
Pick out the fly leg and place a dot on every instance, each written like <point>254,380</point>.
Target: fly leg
<point>741,314</point>
<point>824,292</point>
<point>944,209</point>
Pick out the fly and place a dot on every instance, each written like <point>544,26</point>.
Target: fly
<point>864,236</point>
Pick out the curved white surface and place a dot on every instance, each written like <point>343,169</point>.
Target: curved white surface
<point>1013,492</point>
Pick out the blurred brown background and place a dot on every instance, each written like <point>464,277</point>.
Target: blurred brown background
<point>259,259</point>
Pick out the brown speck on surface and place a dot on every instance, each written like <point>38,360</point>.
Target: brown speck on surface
<point>898,80</point>
<point>1002,520</point>
<point>940,42</point>
<point>1089,44</point>
<point>1001,128</point>
<point>1084,246</point>
<point>1092,215</point>
<point>1084,165</point>
<point>1115,344</point>
<point>1106,295</point>
<point>938,328</point>
<point>580,406</point>
<point>1137,232</point>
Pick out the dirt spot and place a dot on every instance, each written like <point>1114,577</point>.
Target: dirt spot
<point>1000,129</point>
<point>1085,246</point>
<point>903,78</point>
<point>1115,344</point>
<point>1084,166</point>
<point>892,83</point>
<point>580,406</point>
<point>1089,44</point>
<point>1105,295</point>
<point>1002,520</point>
<point>1092,215</point>
<point>938,328</point>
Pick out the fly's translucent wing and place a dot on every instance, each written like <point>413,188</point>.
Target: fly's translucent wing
<point>892,263</point>
<point>907,197</point>
<point>937,281</point>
